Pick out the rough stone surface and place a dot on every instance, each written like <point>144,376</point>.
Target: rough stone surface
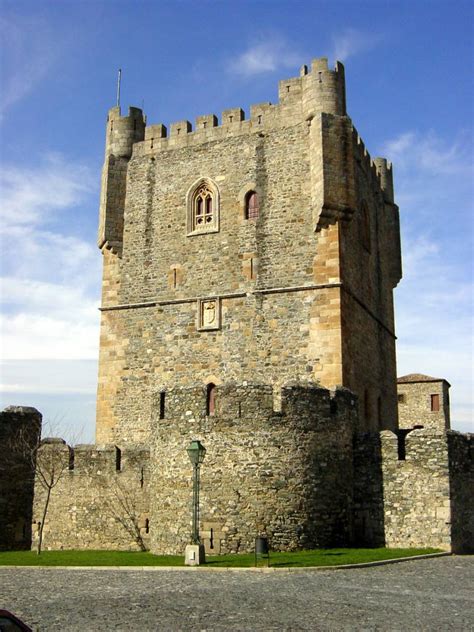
<point>101,502</point>
<point>414,489</point>
<point>20,429</point>
<point>287,475</point>
<point>419,595</point>
<point>414,402</point>
<point>304,291</point>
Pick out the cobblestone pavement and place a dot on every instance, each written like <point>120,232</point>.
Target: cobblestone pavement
<point>434,594</point>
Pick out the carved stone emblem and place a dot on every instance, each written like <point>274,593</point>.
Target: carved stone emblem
<point>209,313</point>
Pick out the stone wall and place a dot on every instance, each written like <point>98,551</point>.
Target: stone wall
<point>20,430</point>
<point>284,474</point>
<point>99,502</point>
<point>414,405</point>
<point>461,483</point>
<point>369,529</point>
<point>298,295</point>
<point>414,489</point>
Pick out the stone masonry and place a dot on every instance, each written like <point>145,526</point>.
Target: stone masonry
<point>303,291</point>
<point>20,428</point>
<point>283,474</point>
<point>247,302</point>
<point>423,401</point>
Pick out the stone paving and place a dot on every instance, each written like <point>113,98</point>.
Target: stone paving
<point>431,594</point>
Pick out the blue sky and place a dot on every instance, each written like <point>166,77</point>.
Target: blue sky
<point>409,69</point>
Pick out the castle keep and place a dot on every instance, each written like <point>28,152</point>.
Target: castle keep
<point>248,276</point>
<point>280,228</point>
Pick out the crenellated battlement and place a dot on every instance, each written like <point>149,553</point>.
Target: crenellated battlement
<point>96,459</point>
<point>242,404</point>
<point>378,170</point>
<point>319,89</point>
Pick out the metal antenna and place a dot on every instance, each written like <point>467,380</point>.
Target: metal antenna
<point>118,86</point>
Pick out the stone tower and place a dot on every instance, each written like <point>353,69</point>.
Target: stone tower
<point>259,250</point>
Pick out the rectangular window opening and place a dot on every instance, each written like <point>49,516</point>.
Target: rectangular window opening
<point>435,403</point>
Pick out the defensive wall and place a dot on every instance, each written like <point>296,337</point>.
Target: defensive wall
<point>303,292</point>
<point>20,429</point>
<point>414,489</point>
<point>302,475</point>
<point>99,501</point>
<point>283,474</point>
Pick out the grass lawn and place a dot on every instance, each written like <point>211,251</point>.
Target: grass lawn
<point>317,557</point>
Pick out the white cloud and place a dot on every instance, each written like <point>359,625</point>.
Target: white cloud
<point>50,281</point>
<point>53,377</point>
<point>435,297</point>
<point>350,42</point>
<point>32,195</point>
<point>267,55</point>
<point>430,154</point>
<point>29,51</point>
<point>47,330</point>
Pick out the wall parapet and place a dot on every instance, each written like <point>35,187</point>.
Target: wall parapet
<point>320,89</point>
<point>100,458</point>
<point>304,404</point>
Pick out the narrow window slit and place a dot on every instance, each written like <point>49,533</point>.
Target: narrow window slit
<point>118,459</point>
<point>162,404</point>
<point>210,399</point>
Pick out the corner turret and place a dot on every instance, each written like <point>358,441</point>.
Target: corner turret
<point>324,90</point>
<point>384,170</point>
<point>123,131</point>
<point>121,134</point>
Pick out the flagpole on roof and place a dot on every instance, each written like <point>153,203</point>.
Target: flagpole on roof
<point>118,86</point>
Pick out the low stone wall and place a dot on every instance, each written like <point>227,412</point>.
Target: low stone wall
<point>99,501</point>
<point>285,474</point>
<point>416,490</point>
<point>428,493</point>
<point>20,429</point>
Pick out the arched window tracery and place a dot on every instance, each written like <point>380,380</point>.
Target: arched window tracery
<point>203,208</point>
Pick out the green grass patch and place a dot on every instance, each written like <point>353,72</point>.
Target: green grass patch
<point>317,557</point>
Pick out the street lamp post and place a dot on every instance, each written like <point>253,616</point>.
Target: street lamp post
<point>195,551</point>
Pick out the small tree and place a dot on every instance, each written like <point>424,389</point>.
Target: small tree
<point>49,459</point>
<point>53,460</point>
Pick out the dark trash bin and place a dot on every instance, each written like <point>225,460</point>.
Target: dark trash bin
<point>262,549</point>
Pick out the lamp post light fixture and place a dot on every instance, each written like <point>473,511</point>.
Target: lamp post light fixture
<point>196,452</point>
<point>195,551</point>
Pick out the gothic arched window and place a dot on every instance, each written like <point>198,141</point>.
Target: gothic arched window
<point>251,205</point>
<point>203,207</point>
